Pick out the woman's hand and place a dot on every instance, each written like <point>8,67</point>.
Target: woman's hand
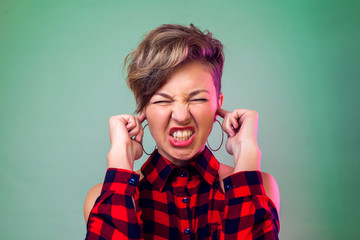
<point>126,133</point>
<point>241,127</point>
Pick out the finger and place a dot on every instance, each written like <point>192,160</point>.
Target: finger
<point>141,117</point>
<point>139,137</point>
<point>138,132</point>
<point>227,127</point>
<point>134,132</point>
<point>131,123</point>
<point>234,122</point>
<point>136,127</point>
<point>221,112</point>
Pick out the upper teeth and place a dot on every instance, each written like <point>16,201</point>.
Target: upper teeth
<point>182,134</point>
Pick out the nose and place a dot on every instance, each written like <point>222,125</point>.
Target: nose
<point>181,113</point>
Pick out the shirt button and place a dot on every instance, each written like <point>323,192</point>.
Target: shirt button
<point>187,231</point>
<point>185,200</point>
<point>228,187</point>
<point>183,174</point>
<point>132,181</point>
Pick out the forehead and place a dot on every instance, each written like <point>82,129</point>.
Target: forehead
<point>189,77</point>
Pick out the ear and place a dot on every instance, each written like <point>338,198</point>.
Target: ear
<point>142,116</point>
<point>220,100</point>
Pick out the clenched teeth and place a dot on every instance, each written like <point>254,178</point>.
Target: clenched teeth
<point>182,135</point>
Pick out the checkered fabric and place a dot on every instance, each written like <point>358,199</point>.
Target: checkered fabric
<point>182,203</point>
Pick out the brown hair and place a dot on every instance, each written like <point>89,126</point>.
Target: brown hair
<point>162,50</point>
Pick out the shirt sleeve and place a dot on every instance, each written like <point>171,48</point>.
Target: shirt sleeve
<point>249,213</point>
<point>114,214</point>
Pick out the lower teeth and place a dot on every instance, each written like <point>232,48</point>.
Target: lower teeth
<point>181,139</point>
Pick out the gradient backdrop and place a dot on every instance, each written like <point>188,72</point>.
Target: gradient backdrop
<point>295,62</point>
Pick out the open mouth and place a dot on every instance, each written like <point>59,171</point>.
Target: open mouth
<point>181,137</point>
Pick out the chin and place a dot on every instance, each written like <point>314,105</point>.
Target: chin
<point>185,154</point>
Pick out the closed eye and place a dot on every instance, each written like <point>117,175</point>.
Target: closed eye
<point>198,100</point>
<point>162,102</point>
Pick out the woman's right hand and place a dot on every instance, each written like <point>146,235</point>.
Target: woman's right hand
<point>126,133</point>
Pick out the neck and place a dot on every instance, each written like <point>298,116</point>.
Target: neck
<point>180,162</point>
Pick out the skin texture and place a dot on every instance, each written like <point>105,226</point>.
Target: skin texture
<point>188,101</point>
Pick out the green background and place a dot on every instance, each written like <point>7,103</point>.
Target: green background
<point>295,62</point>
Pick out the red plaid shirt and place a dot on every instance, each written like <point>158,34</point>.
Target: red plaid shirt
<point>182,203</point>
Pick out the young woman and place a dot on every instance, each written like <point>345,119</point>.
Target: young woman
<point>182,191</point>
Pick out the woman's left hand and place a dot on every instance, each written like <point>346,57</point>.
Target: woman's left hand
<point>241,127</point>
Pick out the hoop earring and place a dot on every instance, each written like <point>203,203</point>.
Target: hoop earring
<point>143,145</point>
<point>222,139</point>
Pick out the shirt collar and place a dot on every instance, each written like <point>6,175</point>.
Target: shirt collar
<point>157,169</point>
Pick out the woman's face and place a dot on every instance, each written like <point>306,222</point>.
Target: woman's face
<point>180,115</point>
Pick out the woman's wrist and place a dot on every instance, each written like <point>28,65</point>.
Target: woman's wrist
<point>247,158</point>
<point>119,160</point>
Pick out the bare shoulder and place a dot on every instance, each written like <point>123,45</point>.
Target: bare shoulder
<point>271,188</point>
<point>225,171</point>
<point>269,182</point>
<point>90,199</point>
<point>93,194</point>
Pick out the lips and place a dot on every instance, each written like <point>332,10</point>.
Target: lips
<point>181,137</point>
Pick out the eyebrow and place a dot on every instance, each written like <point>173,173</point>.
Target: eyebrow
<point>197,92</point>
<point>190,95</point>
